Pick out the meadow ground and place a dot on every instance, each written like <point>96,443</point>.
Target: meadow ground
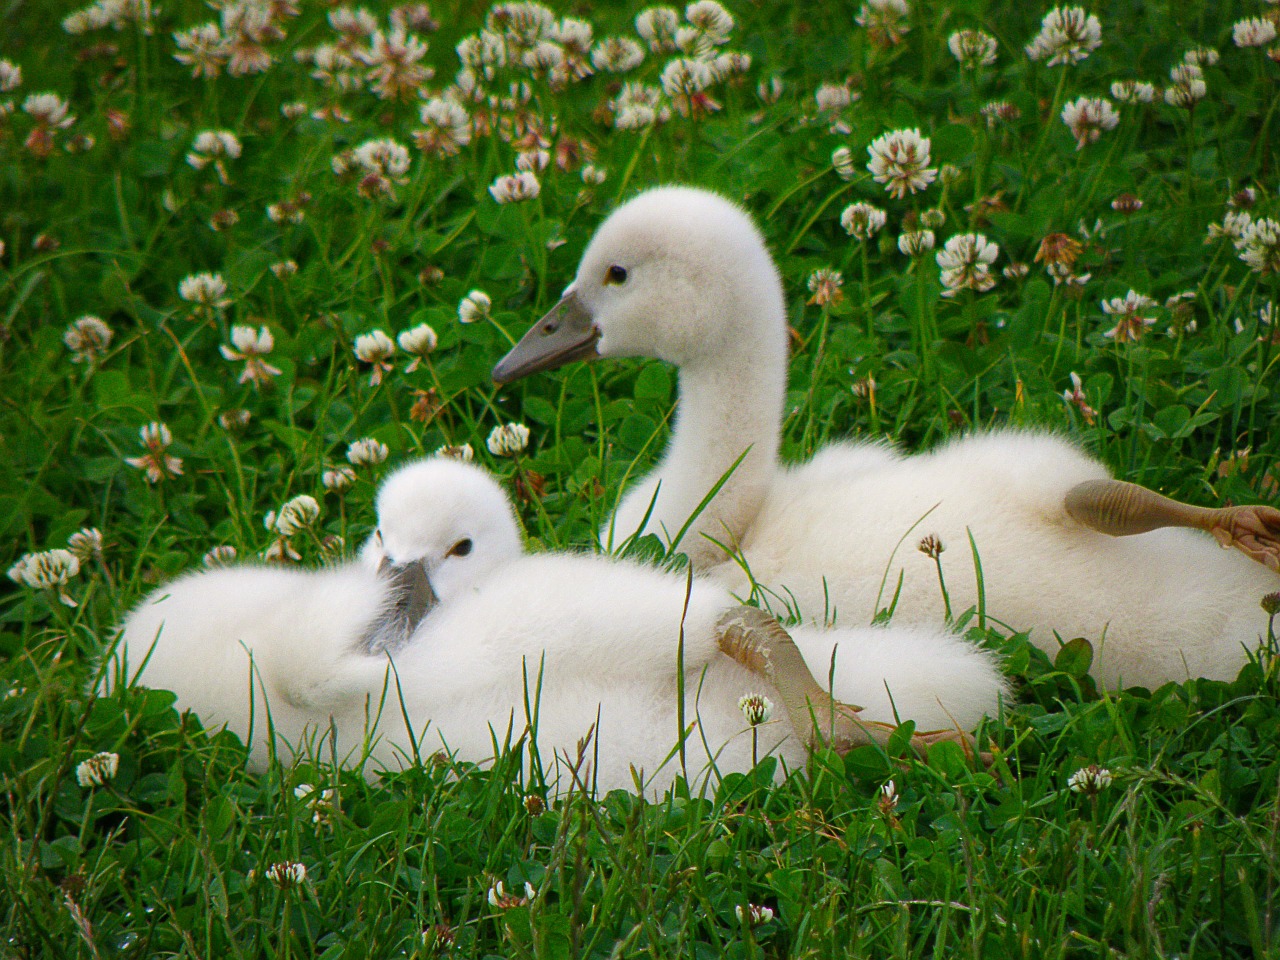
<point>205,216</point>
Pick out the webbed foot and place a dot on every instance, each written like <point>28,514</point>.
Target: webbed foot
<point>1122,509</point>
<point>756,640</point>
<point>1254,530</point>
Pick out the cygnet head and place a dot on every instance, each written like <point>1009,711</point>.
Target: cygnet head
<point>677,273</point>
<point>449,518</point>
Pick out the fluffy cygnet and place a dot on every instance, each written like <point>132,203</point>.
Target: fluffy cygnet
<point>683,275</point>
<point>559,648</point>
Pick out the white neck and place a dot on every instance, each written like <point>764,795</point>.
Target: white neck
<point>727,408</point>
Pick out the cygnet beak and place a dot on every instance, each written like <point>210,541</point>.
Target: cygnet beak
<point>412,596</point>
<point>567,333</point>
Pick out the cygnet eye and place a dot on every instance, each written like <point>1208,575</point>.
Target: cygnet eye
<point>460,549</point>
<point>615,274</point>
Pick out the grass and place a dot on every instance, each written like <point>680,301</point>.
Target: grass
<point>1178,855</point>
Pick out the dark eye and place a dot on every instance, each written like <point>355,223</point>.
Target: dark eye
<point>459,549</point>
<point>616,274</point>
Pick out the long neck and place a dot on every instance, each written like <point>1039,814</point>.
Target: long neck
<point>726,409</point>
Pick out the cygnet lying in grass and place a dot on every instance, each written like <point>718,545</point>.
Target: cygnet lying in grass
<point>572,647</point>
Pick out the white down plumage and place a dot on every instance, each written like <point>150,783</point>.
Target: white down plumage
<point>589,646</point>
<point>684,275</point>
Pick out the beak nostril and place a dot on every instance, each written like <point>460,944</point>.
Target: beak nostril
<point>549,328</point>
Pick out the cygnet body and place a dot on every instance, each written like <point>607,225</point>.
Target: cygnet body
<point>684,275</point>
<point>573,647</point>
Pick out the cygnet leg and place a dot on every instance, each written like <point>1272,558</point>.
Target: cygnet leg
<point>1121,509</point>
<point>756,640</point>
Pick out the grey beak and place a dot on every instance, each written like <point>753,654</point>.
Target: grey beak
<point>410,599</point>
<point>567,333</point>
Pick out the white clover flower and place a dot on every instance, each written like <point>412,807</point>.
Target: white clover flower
<point>499,898</point>
<point>710,18</point>
<point>533,161</point>
<point>339,479</point>
<point>1076,398</point>
<point>367,452</point>
<point>756,708</point>
<point>318,802</point>
<point>515,188</point>
<point>657,27</point>
<point>219,556</point>
<point>417,342</point>
<point>593,175</point>
<point>1243,198</point>
<point>843,164</point>
<point>638,105</point>
<point>862,221</point>
<point>522,23</point>
<point>10,76</point>
<point>375,348</point>
<point>85,544</point>
<point>284,269</point>
<point>203,49</point>
<point>251,346</point>
<point>1253,32</point>
<point>286,875</point>
<point>885,20</point>
<point>297,515</point>
<point>1233,226</point>
<point>213,146</point>
<point>544,57</point>
<point>1067,35</point>
<point>1201,56</point>
<point>966,263</point>
<point>286,211</point>
<point>1188,87</point>
<point>1090,780</point>
<point>233,420</point>
<point>461,452</point>
<point>382,163</point>
<point>824,284</point>
<point>157,463</point>
<point>484,53</point>
<point>1259,246</point>
<point>770,90</point>
<point>48,110</point>
<point>754,916</point>
<point>47,570</point>
<point>617,55</point>
<point>447,127</point>
<point>206,290</point>
<point>832,97</point>
<point>508,439</point>
<point>98,769</point>
<point>88,339</point>
<point>1088,117</point>
<point>900,161</point>
<point>476,305</point>
<point>92,17</point>
<point>913,243</point>
<point>1015,271</point>
<point>686,77</point>
<point>1128,313</point>
<point>1133,91</point>
<point>887,800</point>
<point>394,61</point>
<point>358,24</point>
<point>972,48</point>
<point>1000,111</point>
